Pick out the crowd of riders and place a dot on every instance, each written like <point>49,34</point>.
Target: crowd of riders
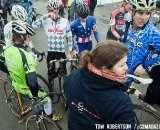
<point>95,92</point>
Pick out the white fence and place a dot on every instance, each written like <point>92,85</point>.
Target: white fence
<point>101,2</point>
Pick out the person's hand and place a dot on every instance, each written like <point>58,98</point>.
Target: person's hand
<point>52,15</point>
<point>69,56</point>
<point>139,70</point>
<point>74,53</point>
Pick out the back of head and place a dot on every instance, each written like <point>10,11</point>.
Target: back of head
<point>106,53</point>
<point>53,4</point>
<point>20,29</point>
<point>82,10</point>
<point>19,12</point>
<point>143,5</point>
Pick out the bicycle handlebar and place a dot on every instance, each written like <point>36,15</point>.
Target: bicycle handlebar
<point>42,55</point>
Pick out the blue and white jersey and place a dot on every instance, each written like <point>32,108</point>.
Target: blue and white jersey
<point>83,33</point>
<point>139,41</point>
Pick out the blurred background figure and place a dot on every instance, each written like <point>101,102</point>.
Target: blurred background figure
<point>4,8</point>
<point>118,20</point>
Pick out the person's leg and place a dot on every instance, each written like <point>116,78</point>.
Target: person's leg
<point>51,56</point>
<point>153,89</point>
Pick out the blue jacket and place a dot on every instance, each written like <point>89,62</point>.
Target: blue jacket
<point>143,44</point>
<point>93,99</point>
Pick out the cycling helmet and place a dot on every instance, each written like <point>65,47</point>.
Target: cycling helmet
<point>142,5</point>
<point>82,10</point>
<point>19,12</point>
<point>22,28</point>
<point>52,4</point>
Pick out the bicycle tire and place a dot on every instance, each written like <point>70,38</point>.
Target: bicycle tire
<point>43,123</point>
<point>145,115</point>
<point>11,99</point>
<point>43,83</point>
<point>63,99</point>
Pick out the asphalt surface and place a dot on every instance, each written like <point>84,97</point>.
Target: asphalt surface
<point>7,120</point>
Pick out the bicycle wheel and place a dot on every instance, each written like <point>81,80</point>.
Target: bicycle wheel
<point>11,99</point>
<point>145,115</point>
<point>62,97</point>
<point>43,83</point>
<point>43,123</point>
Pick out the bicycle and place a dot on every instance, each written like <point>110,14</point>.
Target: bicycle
<point>42,122</point>
<point>61,73</point>
<point>38,120</point>
<point>143,115</point>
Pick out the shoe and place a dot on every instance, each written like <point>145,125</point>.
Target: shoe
<point>141,96</point>
<point>57,117</point>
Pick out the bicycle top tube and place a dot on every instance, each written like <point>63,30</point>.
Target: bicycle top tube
<point>62,60</point>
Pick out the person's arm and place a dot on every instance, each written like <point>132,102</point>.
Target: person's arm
<point>113,24</point>
<point>70,39</point>
<point>95,31</point>
<point>8,34</point>
<point>32,83</point>
<point>30,68</point>
<point>39,22</point>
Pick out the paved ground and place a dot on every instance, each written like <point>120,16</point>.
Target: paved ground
<point>7,120</point>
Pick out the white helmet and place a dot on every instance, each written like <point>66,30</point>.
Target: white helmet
<point>19,12</point>
<point>53,4</point>
<point>142,5</point>
<point>21,27</point>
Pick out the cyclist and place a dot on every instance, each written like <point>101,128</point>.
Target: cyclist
<point>22,69</point>
<point>118,22</point>
<point>95,91</point>
<point>143,41</point>
<point>18,13</point>
<point>82,28</point>
<point>56,29</point>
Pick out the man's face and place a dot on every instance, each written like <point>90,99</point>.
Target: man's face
<point>140,18</point>
<point>128,7</point>
<point>54,13</point>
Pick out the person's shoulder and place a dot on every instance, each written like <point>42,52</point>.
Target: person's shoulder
<point>9,25</point>
<point>75,23</point>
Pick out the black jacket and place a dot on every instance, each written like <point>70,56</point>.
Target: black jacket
<point>94,100</point>
<point>93,4</point>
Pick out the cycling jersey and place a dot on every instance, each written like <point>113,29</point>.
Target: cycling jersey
<point>144,47</point>
<point>117,24</point>
<point>16,68</point>
<point>83,33</point>
<point>56,31</point>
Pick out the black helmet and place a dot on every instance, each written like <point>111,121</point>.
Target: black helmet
<point>82,10</point>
